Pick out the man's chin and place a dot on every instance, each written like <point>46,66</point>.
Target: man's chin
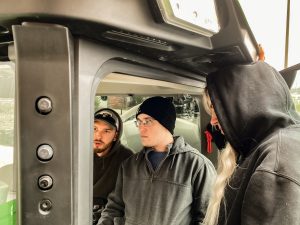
<point>145,144</point>
<point>98,150</point>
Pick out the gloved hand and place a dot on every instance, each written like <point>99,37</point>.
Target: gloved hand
<point>98,207</point>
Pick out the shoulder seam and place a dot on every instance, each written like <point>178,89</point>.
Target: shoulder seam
<point>279,175</point>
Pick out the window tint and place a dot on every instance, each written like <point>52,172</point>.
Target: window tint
<point>7,187</point>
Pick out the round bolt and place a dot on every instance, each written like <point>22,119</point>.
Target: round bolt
<point>45,152</point>
<point>44,105</point>
<point>45,205</point>
<point>45,182</point>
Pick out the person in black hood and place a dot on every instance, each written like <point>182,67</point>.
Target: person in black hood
<point>109,153</point>
<point>168,182</point>
<point>258,179</point>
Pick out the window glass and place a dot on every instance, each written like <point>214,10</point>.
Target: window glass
<point>294,43</point>
<point>187,121</point>
<point>295,91</point>
<point>7,187</point>
<point>267,20</point>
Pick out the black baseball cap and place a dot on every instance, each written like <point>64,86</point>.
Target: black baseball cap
<point>109,116</point>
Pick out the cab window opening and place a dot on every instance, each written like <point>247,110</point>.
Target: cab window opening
<point>124,93</point>
<point>112,93</point>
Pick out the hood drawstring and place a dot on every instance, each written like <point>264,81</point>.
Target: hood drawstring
<point>143,151</point>
<point>138,154</point>
<point>173,159</point>
<point>102,163</point>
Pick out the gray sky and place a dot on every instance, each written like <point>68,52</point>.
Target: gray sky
<point>267,19</point>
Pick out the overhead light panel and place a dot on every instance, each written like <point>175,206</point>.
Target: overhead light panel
<point>197,16</point>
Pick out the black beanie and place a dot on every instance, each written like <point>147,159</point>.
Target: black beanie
<point>161,109</point>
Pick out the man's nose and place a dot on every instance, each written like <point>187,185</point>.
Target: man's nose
<point>142,128</point>
<point>214,120</point>
<point>98,134</point>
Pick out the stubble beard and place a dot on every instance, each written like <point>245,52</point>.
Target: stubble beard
<point>104,148</point>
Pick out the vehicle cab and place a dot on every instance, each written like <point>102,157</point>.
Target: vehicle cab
<point>61,60</point>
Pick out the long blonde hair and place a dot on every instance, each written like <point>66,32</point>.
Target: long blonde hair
<point>226,166</point>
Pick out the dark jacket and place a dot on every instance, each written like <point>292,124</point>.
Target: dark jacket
<point>106,169</point>
<point>176,193</point>
<point>255,110</point>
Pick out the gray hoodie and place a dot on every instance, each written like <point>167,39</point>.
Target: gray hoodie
<point>257,114</point>
<point>176,193</point>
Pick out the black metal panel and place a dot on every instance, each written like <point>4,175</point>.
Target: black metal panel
<point>44,68</point>
<point>138,31</point>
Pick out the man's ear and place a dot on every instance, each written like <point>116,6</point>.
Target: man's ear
<point>116,136</point>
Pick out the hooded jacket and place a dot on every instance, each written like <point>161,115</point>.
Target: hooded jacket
<point>256,112</point>
<point>176,193</point>
<point>106,169</point>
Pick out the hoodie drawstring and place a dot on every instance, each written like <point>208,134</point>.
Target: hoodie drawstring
<point>137,156</point>
<point>173,159</point>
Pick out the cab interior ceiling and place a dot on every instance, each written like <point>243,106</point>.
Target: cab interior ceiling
<point>120,84</point>
<point>210,54</point>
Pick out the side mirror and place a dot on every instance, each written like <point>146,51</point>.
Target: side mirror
<point>292,78</point>
<point>289,74</point>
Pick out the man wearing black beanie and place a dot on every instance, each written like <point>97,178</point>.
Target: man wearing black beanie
<point>168,182</point>
<point>161,109</point>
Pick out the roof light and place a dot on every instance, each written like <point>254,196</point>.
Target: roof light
<point>198,16</point>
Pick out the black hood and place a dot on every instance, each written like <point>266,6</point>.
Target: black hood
<point>251,102</point>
